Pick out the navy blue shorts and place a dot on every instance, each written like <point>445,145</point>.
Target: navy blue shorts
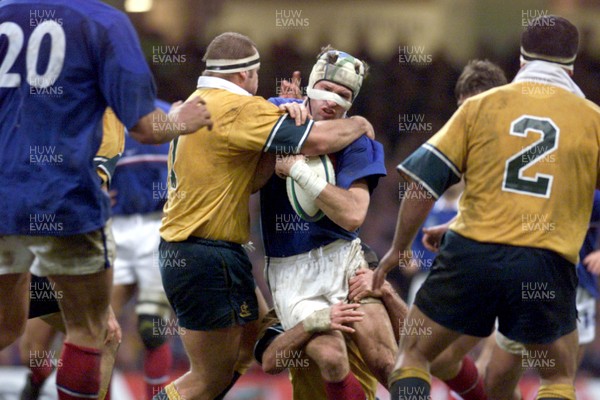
<point>209,283</point>
<point>530,290</point>
<point>43,300</point>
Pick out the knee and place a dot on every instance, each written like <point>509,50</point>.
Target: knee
<point>333,362</point>
<point>151,337</point>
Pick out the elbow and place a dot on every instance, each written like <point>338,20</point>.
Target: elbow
<point>269,367</point>
<point>352,222</point>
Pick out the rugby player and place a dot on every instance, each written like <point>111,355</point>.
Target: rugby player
<point>277,349</point>
<point>139,192</point>
<point>328,250</point>
<point>53,210</point>
<point>486,261</point>
<point>206,218</point>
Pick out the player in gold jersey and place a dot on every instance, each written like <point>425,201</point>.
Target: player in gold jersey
<point>206,273</point>
<point>529,153</point>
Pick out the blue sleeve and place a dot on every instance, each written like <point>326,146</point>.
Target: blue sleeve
<point>363,159</point>
<point>282,100</point>
<point>125,79</point>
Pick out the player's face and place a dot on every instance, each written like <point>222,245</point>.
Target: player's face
<point>327,109</point>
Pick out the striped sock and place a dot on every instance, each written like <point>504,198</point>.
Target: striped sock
<point>556,392</point>
<point>157,365</point>
<point>78,373</point>
<point>410,384</point>
<point>168,393</point>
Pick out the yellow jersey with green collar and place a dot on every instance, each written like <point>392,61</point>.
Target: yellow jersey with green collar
<point>529,153</point>
<point>211,172</point>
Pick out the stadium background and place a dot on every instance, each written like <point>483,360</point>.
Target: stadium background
<point>415,49</point>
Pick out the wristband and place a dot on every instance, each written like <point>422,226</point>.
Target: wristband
<point>307,179</point>
<point>319,321</point>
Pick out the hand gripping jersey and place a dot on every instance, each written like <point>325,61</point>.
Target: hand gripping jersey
<point>63,62</point>
<point>530,156</point>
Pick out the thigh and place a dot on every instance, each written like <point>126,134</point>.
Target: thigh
<point>422,339</point>
<point>374,337</point>
<point>502,372</point>
<point>212,356</point>
<point>84,302</point>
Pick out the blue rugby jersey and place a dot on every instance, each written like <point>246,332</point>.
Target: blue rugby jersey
<point>66,61</point>
<point>586,279</point>
<point>285,233</point>
<point>140,178</point>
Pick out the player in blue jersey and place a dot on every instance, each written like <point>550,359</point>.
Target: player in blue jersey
<point>139,191</point>
<point>63,63</point>
<point>309,263</point>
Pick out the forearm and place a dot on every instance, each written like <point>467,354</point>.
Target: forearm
<point>155,128</point>
<point>347,208</point>
<point>413,211</point>
<point>284,347</point>
<point>331,136</point>
<point>395,306</point>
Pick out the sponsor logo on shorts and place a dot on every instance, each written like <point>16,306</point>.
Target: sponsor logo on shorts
<point>245,310</point>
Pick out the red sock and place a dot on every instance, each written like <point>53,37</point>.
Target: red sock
<point>467,383</point>
<point>157,365</point>
<point>78,373</point>
<point>39,373</point>
<point>348,389</point>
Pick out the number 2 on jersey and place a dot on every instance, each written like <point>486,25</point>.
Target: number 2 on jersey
<point>16,39</point>
<point>514,180</point>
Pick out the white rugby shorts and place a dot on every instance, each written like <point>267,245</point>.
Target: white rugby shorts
<point>305,283</point>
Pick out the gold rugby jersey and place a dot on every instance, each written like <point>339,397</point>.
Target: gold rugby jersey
<point>211,172</point>
<point>529,153</point>
<point>111,147</point>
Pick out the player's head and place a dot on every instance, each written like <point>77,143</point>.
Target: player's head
<point>552,39</point>
<point>334,83</point>
<point>234,57</point>
<point>477,77</point>
<point>370,256</point>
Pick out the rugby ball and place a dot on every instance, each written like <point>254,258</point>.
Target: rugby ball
<point>302,204</point>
